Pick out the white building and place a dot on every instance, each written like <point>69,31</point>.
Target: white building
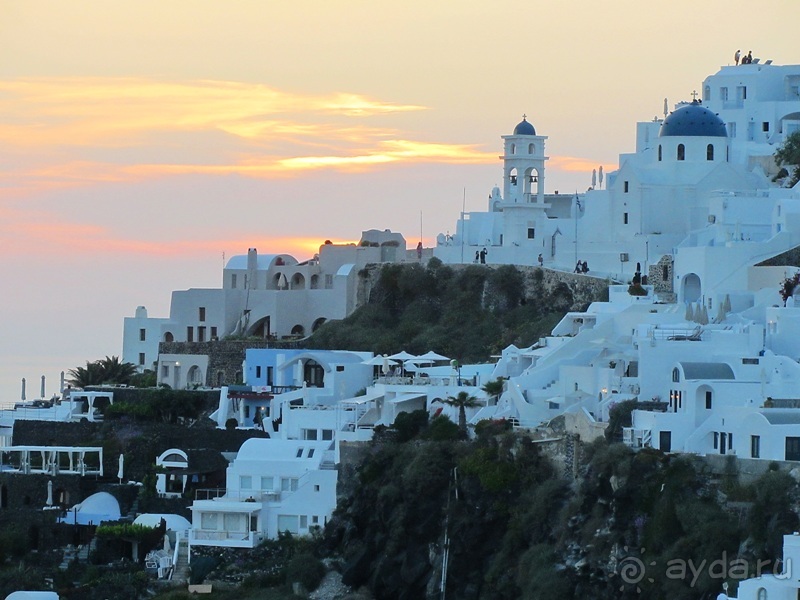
<point>272,486</point>
<point>268,296</point>
<point>776,584</point>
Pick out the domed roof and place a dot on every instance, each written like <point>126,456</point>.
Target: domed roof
<point>693,119</point>
<point>524,128</point>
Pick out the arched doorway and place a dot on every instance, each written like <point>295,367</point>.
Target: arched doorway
<point>298,281</point>
<point>261,328</point>
<point>691,288</point>
<point>317,324</point>
<point>313,374</point>
<point>168,337</point>
<point>195,376</point>
<point>298,330</point>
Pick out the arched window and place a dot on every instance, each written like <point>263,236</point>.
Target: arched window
<point>513,148</point>
<point>681,152</point>
<point>676,375</point>
<point>168,337</point>
<point>762,594</point>
<point>710,152</point>
<point>531,149</point>
<point>659,153</point>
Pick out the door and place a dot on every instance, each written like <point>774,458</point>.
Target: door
<point>665,441</point>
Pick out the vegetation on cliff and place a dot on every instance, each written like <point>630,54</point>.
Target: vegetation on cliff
<point>468,313</point>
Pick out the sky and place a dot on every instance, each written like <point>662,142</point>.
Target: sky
<point>143,142</point>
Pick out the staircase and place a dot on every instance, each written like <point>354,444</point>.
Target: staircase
<point>180,572</point>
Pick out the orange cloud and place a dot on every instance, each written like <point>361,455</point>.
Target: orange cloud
<point>576,164</point>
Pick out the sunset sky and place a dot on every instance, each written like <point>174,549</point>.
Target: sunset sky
<point>140,142</point>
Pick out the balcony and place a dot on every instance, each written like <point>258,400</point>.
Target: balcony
<point>228,539</point>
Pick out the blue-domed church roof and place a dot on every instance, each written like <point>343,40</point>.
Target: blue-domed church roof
<point>524,128</point>
<point>693,119</point>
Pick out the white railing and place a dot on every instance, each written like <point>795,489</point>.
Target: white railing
<point>236,495</point>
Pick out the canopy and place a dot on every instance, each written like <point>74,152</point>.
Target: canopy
<point>379,361</point>
<point>432,356</point>
<point>403,356</point>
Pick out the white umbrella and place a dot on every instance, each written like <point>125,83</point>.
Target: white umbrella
<point>431,355</point>
<point>727,303</point>
<point>50,492</point>
<point>378,361</point>
<point>410,366</point>
<point>121,467</point>
<point>702,315</point>
<point>402,356</point>
<point>689,316</point>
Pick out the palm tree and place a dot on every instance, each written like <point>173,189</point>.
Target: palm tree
<point>81,377</point>
<point>494,388</point>
<point>463,401</point>
<point>115,371</point>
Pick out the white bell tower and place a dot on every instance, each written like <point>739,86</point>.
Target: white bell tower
<point>523,165</point>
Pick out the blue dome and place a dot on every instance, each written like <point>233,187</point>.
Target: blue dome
<point>693,119</point>
<point>524,128</point>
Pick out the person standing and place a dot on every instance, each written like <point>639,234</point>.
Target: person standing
<point>737,56</point>
<point>540,259</point>
<point>483,254</point>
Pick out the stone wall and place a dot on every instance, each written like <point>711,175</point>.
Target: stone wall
<point>224,357</point>
<point>655,277</point>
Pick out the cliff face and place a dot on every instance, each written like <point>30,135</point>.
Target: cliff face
<point>505,522</point>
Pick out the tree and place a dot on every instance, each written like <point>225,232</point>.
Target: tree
<point>107,370</point>
<point>494,388</point>
<point>463,401</point>
<point>789,154</point>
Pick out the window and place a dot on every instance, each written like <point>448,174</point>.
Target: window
<point>201,334</point>
<point>707,93</point>
<point>755,446</point>
<point>531,233</point>
<point>303,522</point>
<point>531,149</point>
<point>665,272</point>
<point>730,441</point>
<point>190,334</point>
<point>165,371</point>
<point>288,523</point>
<point>659,153</point>
<point>246,412</point>
<point>339,368</point>
<point>625,187</point>
<point>315,519</point>
<point>710,152</point>
<point>267,482</point>
<point>513,148</point>
<point>299,453</point>
<point>201,314</point>
<point>316,488</point>
<point>624,218</point>
<point>310,453</point>
<point>234,522</point>
<point>676,375</point>
<point>723,94</point>
<point>208,520</point>
<point>731,130</point>
<point>762,594</point>
<point>258,371</point>
<point>269,375</point>
<point>309,434</point>
<point>233,280</point>
<point>765,126</point>
<point>681,152</point>
<point>708,400</point>
<point>716,440</point>
<point>213,333</point>
<point>245,482</point>
<point>141,358</point>
<point>327,434</point>
<point>142,335</point>
<point>288,484</point>
<point>792,448</point>
<point>328,282</point>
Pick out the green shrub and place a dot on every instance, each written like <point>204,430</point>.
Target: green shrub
<point>306,569</point>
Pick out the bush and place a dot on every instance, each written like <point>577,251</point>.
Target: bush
<point>306,569</point>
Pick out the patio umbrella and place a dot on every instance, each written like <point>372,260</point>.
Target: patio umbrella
<point>378,361</point>
<point>50,493</point>
<point>22,397</point>
<point>121,467</point>
<point>402,356</point>
<point>432,356</point>
<point>689,316</point>
<point>727,303</point>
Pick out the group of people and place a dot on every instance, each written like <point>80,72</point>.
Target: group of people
<point>581,267</point>
<point>480,256</point>
<point>746,60</point>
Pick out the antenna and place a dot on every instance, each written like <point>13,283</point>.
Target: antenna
<point>463,209</point>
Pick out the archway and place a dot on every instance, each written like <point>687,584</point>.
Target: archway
<point>168,337</point>
<point>313,374</point>
<point>298,281</point>
<point>298,330</point>
<point>195,376</point>
<point>261,328</point>
<point>314,281</point>
<point>691,288</point>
